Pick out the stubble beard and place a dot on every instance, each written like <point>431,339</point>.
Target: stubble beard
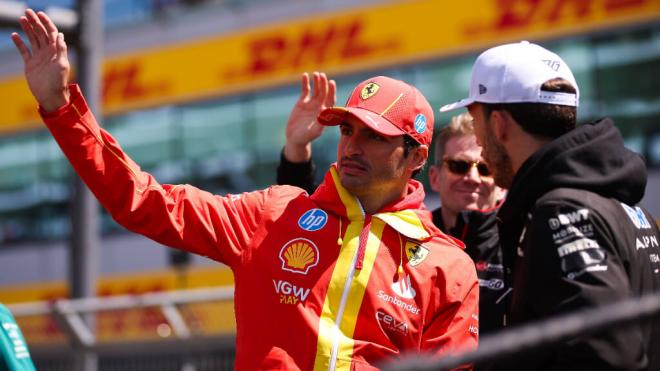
<point>499,161</point>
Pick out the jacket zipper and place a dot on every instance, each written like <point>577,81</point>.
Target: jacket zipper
<point>347,288</point>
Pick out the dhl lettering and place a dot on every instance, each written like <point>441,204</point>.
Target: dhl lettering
<point>520,14</point>
<point>317,44</point>
<point>121,82</point>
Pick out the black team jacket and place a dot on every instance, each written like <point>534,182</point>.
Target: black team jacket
<point>574,238</point>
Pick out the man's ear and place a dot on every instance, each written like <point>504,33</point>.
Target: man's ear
<point>501,122</point>
<point>434,177</point>
<point>419,157</point>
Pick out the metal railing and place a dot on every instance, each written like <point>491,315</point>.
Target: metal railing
<point>506,343</point>
<point>69,314</point>
<point>522,339</point>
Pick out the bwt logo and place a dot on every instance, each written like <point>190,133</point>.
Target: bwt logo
<point>313,220</point>
<point>568,218</point>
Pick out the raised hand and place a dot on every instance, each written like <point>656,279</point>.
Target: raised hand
<point>302,127</point>
<point>46,63</point>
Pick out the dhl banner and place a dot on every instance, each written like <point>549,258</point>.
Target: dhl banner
<point>347,41</point>
<point>211,318</point>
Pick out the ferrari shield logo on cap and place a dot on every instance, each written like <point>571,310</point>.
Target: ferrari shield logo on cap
<point>369,90</point>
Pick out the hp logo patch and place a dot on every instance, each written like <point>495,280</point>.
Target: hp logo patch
<point>313,220</point>
<point>420,123</point>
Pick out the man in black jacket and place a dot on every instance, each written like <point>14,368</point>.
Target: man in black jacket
<point>463,181</point>
<point>569,227</point>
<point>469,202</point>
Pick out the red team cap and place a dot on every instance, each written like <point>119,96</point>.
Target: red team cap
<point>388,106</point>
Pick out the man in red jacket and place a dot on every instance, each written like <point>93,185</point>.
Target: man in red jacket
<point>350,276</point>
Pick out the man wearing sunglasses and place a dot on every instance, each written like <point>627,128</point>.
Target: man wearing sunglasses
<point>569,228</point>
<point>469,202</point>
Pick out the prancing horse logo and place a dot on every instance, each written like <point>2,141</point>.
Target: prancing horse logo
<point>369,90</point>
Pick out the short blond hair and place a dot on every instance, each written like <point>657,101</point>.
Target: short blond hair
<point>459,125</point>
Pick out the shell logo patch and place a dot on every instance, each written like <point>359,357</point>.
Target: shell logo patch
<point>299,255</point>
<point>369,90</point>
<point>416,253</point>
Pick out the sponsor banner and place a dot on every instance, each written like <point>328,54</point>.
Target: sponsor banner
<point>353,40</point>
<point>130,324</point>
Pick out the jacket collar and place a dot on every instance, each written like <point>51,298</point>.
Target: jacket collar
<point>407,215</point>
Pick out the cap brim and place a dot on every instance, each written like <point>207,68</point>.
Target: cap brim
<point>460,104</point>
<point>336,115</point>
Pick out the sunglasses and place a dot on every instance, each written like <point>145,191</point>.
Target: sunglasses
<point>462,167</point>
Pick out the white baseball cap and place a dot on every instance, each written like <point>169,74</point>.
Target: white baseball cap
<point>514,73</point>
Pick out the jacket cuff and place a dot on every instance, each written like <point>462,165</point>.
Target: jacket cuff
<point>295,166</point>
<point>77,105</point>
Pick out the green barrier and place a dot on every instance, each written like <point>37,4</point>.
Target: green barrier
<point>14,354</point>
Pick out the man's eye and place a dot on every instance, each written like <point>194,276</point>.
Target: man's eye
<point>377,137</point>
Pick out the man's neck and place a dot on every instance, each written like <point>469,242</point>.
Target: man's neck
<point>523,147</point>
<point>374,202</point>
<point>448,217</point>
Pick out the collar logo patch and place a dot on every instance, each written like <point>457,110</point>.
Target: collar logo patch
<point>416,253</point>
<point>299,255</point>
<point>369,90</point>
<point>313,220</point>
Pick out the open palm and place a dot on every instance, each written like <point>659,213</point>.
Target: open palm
<point>302,127</point>
<point>46,63</point>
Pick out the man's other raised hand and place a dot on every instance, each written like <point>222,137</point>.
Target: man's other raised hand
<point>302,127</point>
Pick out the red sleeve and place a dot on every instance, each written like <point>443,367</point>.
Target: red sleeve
<point>455,326</point>
<point>180,216</point>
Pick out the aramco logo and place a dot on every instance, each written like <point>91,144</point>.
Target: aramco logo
<point>299,255</point>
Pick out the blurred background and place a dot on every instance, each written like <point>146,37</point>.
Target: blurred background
<point>198,91</point>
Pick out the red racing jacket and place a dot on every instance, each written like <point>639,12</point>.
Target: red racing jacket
<point>319,284</point>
